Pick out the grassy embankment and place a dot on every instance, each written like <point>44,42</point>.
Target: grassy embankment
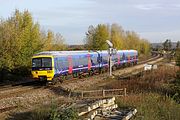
<point>155,95</point>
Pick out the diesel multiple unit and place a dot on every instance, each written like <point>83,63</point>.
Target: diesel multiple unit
<point>53,65</point>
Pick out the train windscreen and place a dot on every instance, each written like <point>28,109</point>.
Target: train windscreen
<point>42,63</point>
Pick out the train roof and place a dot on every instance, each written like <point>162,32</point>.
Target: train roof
<point>64,53</point>
<point>59,52</point>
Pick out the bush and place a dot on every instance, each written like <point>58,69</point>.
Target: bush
<point>46,112</point>
<point>66,114</point>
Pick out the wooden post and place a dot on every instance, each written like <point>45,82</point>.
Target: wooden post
<point>125,92</point>
<point>103,92</point>
<point>82,94</point>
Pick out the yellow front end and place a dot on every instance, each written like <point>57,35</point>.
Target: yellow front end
<point>43,73</point>
<point>48,74</point>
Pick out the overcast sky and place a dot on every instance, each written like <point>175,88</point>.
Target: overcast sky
<point>155,20</point>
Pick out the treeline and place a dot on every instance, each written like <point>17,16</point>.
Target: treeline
<point>97,35</point>
<point>20,38</point>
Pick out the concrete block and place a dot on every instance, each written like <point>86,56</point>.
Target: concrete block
<point>107,104</point>
<point>130,114</point>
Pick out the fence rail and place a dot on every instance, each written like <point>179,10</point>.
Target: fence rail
<point>103,93</point>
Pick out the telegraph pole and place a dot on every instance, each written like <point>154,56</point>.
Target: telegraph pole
<point>110,62</point>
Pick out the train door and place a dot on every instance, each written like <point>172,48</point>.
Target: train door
<point>124,57</point>
<point>89,61</point>
<point>118,55</point>
<point>70,64</point>
<point>99,59</point>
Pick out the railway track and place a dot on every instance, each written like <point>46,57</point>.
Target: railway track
<point>13,86</point>
<point>20,85</point>
<point>149,60</point>
<point>2,110</point>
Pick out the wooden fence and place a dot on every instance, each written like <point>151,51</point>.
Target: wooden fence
<point>103,93</point>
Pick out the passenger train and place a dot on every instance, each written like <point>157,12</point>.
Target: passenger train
<point>56,65</point>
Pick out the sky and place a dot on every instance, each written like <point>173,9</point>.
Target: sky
<point>154,20</point>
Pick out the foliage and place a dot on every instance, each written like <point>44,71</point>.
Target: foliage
<point>178,57</point>
<point>178,45</point>
<point>176,87</point>
<point>20,38</point>
<point>96,38</point>
<point>68,114</point>
<point>17,36</point>
<point>117,36</point>
<point>167,45</point>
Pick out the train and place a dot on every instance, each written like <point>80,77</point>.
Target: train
<point>53,66</point>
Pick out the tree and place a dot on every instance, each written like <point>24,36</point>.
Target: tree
<point>96,37</point>
<point>117,36</point>
<point>132,40</point>
<point>178,45</point>
<point>58,42</point>
<point>48,43</point>
<point>102,34</point>
<point>20,38</point>
<point>121,39</point>
<point>178,58</point>
<point>90,37</point>
<point>178,54</point>
<point>167,45</point>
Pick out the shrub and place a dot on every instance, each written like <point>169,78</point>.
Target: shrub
<point>46,112</point>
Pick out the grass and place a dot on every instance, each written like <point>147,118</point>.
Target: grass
<point>154,81</point>
<point>151,106</point>
<point>154,94</point>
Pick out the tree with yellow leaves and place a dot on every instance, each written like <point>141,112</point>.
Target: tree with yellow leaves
<point>20,38</point>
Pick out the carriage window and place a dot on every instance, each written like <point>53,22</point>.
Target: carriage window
<point>75,62</point>
<point>83,61</point>
<point>46,62</point>
<point>94,59</point>
<point>115,58</point>
<point>105,59</point>
<point>64,64</point>
<point>36,62</point>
